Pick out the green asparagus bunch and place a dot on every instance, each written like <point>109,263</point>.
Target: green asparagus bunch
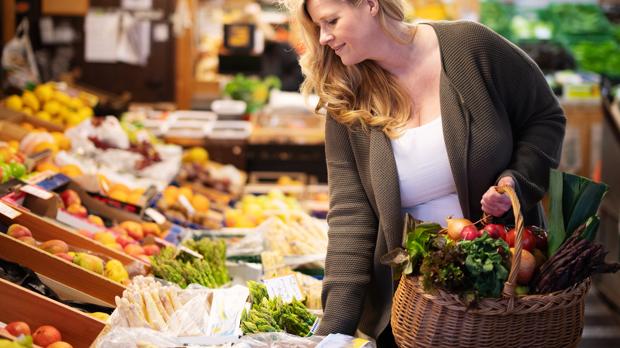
<point>272,315</point>
<point>167,265</point>
<point>214,252</point>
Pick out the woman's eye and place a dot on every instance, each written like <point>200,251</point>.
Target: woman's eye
<point>333,21</point>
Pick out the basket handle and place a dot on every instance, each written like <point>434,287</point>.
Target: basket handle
<point>510,284</point>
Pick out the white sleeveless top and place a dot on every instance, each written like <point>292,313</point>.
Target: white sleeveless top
<point>427,189</point>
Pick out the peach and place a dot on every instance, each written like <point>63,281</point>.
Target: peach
<point>70,197</point>
<point>46,335</point>
<point>65,256</point>
<point>134,229</point>
<point>105,237</point>
<point>118,230</point>
<point>134,249</point>
<point>54,246</point>
<point>151,249</point>
<point>17,328</point>
<point>60,344</point>
<point>151,229</point>
<point>123,240</point>
<point>28,240</point>
<point>17,231</point>
<point>96,220</point>
<point>87,234</point>
<point>78,210</point>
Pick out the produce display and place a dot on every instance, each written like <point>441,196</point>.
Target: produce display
<point>182,268</point>
<point>49,102</point>
<point>46,336</point>
<point>272,315</point>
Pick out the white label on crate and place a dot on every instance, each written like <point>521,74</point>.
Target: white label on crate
<point>38,177</point>
<point>8,211</point>
<point>36,191</point>
<point>155,215</point>
<point>186,204</point>
<point>286,287</point>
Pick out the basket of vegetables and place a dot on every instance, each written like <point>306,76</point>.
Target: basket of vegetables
<point>470,287</point>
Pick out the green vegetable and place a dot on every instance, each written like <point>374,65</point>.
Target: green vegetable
<point>574,201</point>
<point>486,266</point>
<point>251,90</point>
<point>444,267</point>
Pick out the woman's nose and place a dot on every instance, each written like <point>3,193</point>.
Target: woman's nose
<point>325,38</point>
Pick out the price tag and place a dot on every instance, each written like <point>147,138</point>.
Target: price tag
<point>8,211</point>
<point>155,215</point>
<point>285,287</point>
<point>186,204</point>
<point>36,191</point>
<point>189,251</point>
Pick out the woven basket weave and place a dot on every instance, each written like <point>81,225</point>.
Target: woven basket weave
<point>439,320</point>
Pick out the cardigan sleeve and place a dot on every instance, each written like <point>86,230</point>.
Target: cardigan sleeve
<point>352,235</point>
<point>536,118</point>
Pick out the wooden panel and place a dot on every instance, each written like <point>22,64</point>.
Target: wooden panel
<point>8,20</point>
<point>59,270</point>
<point>78,329</point>
<point>583,116</point>
<point>184,66</point>
<point>65,7</point>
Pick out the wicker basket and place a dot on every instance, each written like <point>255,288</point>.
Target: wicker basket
<point>551,320</point>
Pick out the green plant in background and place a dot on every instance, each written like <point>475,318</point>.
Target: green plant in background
<point>497,16</point>
<point>252,90</point>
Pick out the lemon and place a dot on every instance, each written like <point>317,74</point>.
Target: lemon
<point>100,316</point>
<point>44,145</point>
<point>61,97</point>
<point>31,101</point>
<point>52,107</point>
<point>27,111</point>
<point>43,115</point>
<point>44,92</point>
<point>197,155</point>
<point>73,119</point>
<point>62,141</point>
<point>85,112</point>
<point>75,103</point>
<point>14,102</point>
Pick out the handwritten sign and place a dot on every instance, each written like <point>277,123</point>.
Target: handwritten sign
<point>285,287</point>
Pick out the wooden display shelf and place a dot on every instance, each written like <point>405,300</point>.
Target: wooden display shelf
<point>59,270</point>
<point>44,229</point>
<point>77,328</point>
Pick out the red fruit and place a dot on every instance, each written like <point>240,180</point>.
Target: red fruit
<point>527,266</point>
<point>151,249</point>
<point>541,237</point>
<point>469,232</point>
<point>46,335</point>
<point>124,240</point>
<point>17,328</point>
<point>495,231</point>
<point>65,256</point>
<point>70,197</point>
<point>528,242</point>
<point>60,344</point>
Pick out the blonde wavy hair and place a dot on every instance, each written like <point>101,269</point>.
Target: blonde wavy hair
<point>362,94</point>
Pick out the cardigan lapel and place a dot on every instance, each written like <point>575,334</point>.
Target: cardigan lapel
<point>455,122</point>
<point>384,179</point>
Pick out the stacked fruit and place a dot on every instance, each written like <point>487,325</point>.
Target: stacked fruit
<point>112,269</point>
<point>11,164</point>
<point>251,210</point>
<point>120,192</point>
<point>48,103</point>
<point>45,336</point>
<point>185,206</point>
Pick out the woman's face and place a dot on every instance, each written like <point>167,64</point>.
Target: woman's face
<point>346,29</point>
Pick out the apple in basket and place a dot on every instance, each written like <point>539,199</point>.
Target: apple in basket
<point>495,231</point>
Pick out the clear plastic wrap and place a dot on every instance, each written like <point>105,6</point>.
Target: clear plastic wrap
<point>124,337</point>
<point>277,340</point>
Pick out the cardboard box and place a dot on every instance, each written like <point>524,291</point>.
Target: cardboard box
<point>77,328</point>
<point>18,117</point>
<point>579,148</point>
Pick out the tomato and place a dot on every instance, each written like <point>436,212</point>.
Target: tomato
<point>528,242</point>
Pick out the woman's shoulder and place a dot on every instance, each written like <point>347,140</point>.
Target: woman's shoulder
<point>465,34</point>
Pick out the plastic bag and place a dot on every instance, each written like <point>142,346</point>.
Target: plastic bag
<point>122,337</point>
<point>18,59</point>
<point>277,340</point>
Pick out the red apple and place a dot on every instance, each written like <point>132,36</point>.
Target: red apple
<point>541,237</point>
<point>151,249</point>
<point>527,266</point>
<point>134,249</point>
<point>528,242</point>
<point>17,328</point>
<point>46,335</point>
<point>495,231</point>
<point>70,197</point>
<point>469,232</point>
<point>124,240</point>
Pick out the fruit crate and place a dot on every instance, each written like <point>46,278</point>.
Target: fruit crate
<point>44,229</point>
<point>18,117</point>
<point>69,280</point>
<point>77,328</point>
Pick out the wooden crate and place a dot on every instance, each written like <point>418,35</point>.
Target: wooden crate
<point>44,229</point>
<point>18,117</point>
<point>77,328</point>
<point>73,277</point>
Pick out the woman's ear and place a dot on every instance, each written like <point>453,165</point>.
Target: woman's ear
<point>373,5</point>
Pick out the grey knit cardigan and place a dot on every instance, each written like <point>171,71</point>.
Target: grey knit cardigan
<point>499,118</point>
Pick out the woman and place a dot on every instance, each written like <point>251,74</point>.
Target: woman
<point>425,119</point>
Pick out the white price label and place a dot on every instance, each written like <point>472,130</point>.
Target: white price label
<point>187,205</point>
<point>36,191</point>
<point>155,215</point>
<point>285,287</point>
<point>8,211</point>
